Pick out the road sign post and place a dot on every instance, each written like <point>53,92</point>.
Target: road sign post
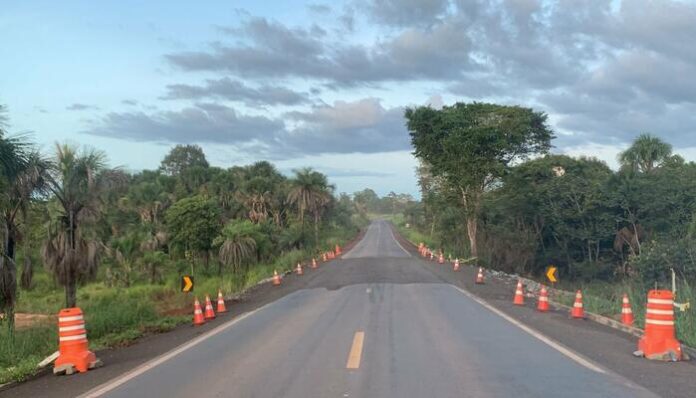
<point>187,283</point>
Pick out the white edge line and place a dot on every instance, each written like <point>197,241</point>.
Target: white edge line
<point>118,381</point>
<point>551,343</point>
<point>391,231</point>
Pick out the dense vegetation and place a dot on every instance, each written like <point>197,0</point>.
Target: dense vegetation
<point>491,190</point>
<point>116,243</point>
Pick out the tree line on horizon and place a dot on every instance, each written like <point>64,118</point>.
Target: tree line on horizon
<point>490,189</point>
<point>71,212</point>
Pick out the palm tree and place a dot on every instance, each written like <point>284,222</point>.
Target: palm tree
<point>13,163</point>
<point>646,153</point>
<point>77,179</point>
<point>238,244</point>
<point>310,192</point>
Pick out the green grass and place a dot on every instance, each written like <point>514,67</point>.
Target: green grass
<point>117,316</point>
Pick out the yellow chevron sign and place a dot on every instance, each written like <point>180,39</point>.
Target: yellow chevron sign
<point>551,274</point>
<point>186,283</point>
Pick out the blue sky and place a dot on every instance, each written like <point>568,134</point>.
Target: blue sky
<point>323,84</point>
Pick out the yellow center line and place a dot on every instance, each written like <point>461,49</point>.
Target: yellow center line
<point>356,351</point>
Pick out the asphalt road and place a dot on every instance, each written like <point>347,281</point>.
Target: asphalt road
<point>377,323</point>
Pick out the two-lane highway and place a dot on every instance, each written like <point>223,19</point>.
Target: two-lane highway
<point>378,324</point>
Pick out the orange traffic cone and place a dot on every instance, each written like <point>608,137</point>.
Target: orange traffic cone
<point>456,264</point>
<point>221,303</point>
<point>432,255</point>
<point>338,250</point>
<point>208,313</point>
<point>626,312</point>
<point>323,257</point>
<point>479,277</point>
<point>73,346</point>
<point>298,269</point>
<point>658,341</point>
<point>314,263</point>
<point>519,295</point>
<point>577,311</point>
<point>543,304</point>
<point>441,259</point>
<point>276,278</point>
<point>198,318</point>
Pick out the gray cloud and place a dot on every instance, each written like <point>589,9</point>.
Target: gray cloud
<point>363,126</point>
<point>319,8</point>
<point>405,12</point>
<point>236,90</point>
<point>129,102</point>
<point>80,107</point>
<point>276,51</point>
<point>204,123</point>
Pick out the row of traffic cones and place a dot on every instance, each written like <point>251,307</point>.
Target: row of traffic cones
<point>200,316</point>
<point>578,310</point>
<point>277,279</point>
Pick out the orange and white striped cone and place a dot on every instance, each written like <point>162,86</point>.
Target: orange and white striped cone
<point>324,257</point>
<point>441,259</point>
<point>314,263</point>
<point>276,278</point>
<point>298,269</point>
<point>432,255</point>
<point>659,341</point>
<point>578,311</point>
<point>543,304</point>
<point>456,264</point>
<point>338,250</point>
<point>479,277</point>
<point>626,311</point>
<point>221,303</point>
<point>198,318</point>
<point>209,313</point>
<point>73,347</point>
<point>519,294</point>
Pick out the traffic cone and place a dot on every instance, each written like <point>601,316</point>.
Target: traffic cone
<point>543,304</point>
<point>626,312</point>
<point>221,303</point>
<point>314,263</point>
<point>519,295</point>
<point>298,269</point>
<point>441,259</point>
<point>456,264</point>
<point>323,257</point>
<point>198,318</point>
<point>208,313</point>
<point>73,347</point>
<point>577,311</point>
<point>479,277</point>
<point>658,341</point>
<point>338,250</point>
<point>432,255</point>
<point>276,278</point>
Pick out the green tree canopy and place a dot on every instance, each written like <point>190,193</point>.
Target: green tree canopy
<point>182,158</point>
<point>472,145</point>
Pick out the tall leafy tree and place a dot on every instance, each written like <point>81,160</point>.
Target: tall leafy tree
<point>472,145</point>
<point>193,223</point>
<point>77,180</point>
<point>182,158</point>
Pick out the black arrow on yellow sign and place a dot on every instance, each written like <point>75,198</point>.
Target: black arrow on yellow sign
<point>186,283</point>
